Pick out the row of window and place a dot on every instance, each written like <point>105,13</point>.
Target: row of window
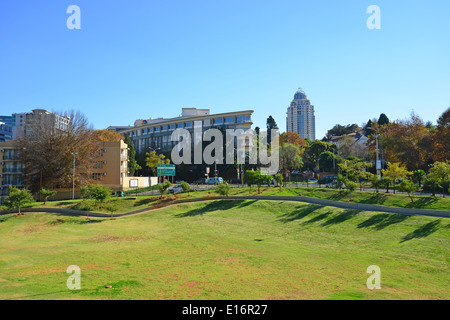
<point>187,125</point>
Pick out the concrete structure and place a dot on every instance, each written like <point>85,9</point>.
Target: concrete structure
<point>300,117</point>
<point>22,123</point>
<point>148,134</point>
<point>110,168</point>
<point>5,132</point>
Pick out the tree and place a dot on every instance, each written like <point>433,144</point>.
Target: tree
<point>255,177</point>
<point>223,189</point>
<point>98,193</point>
<point>350,186</point>
<point>418,176</point>
<point>279,179</point>
<point>339,130</point>
<point>368,128</point>
<point>375,183</point>
<point>185,186</point>
<point>162,187</point>
<point>153,160</point>
<point>46,151</point>
<point>292,138</point>
<point>408,187</point>
<point>47,193</point>
<point>18,198</point>
<point>395,172</point>
<point>439,174</point>
<point>290,158</point>
<point>441,138</point>
<point>132,163</point>
<point>271,124</point>
<point>383,120</point>
<point>355,169</point>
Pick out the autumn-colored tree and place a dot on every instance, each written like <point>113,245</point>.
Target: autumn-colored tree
<point>407,142</point>
<point>292,138</point>
<point>441,138</point>
<point>107,135</point>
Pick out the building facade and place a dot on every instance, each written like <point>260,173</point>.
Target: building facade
<point>22,124</point>
<point>153,134</point>
<point>110,168</point>
<point>301,117</point>
<point>5,132</point>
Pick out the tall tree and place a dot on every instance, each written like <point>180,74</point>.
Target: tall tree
<point>132,162</point>
<point>290,157</point>
<point>271,124</point>
<point>441,138</point>
<point>383,120</point>
<point>47,157</point>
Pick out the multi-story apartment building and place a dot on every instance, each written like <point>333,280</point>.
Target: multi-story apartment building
<point>151,133</point>
<point>300,117</point>
<point>23,123</point>
<point>5,132</point>
<point>110,167</point>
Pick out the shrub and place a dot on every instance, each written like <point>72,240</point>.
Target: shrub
<point>223,189</point>
<point>18,198</point>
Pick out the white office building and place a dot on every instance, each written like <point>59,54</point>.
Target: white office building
<point>300,117</point>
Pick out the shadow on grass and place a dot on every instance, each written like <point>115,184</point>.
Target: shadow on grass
<point>422,203</point>
<point>341,217</point>
<point>423,231</point>
<point>383,220</point>
<point>219,205</point>
<point>299,213</point>
<point>378,198</point>
<point>318,218</point>
<point>142,202</point>
<point>338,196</point>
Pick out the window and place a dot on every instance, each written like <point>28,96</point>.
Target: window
<point>188,124</point>
<point>229,120</point>
<point>172,127</point>
<point>218,121</point>
<point>150,130</point>
<point>179,126</point>
<point>157,129</point>
<point>164,128</point>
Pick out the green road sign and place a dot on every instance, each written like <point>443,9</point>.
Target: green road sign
<point>167,170</point>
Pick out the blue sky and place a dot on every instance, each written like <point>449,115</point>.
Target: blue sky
<point>143,58</point>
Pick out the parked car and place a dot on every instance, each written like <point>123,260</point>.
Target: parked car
<point>200,181</point>
<point>312,180</point>
<point>176,189</point>
<point>214,180</point>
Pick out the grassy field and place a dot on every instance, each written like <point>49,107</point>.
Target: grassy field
<point>131,203</point>
<point>226,250</point>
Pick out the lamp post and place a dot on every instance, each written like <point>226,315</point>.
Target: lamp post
<point>377,164</point>
<point>73,181</point>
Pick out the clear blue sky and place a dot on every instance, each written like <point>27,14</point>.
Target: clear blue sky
<point>144,58</point>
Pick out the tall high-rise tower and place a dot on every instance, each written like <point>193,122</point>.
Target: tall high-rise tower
<point>300,117</point>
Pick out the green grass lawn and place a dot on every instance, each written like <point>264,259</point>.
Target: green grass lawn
<point>226,250</point>
<point>131,203</point>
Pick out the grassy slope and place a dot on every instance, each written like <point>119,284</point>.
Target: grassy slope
<point>131,203</point>
<point>227,250</point>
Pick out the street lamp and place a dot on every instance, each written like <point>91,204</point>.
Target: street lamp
<point>73,182</point>
<point>377,165</point>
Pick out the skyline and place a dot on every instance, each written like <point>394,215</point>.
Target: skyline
<point>149,59</point>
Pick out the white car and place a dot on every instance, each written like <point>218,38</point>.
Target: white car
<point>176,189</point>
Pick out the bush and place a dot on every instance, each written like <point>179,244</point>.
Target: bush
<point>99,193</point>
<point>185,186</point>
<point>223,189</point>
<point>408,187</point>
<point>18,198</point>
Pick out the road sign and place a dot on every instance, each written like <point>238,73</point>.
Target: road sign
<point>166,170</point>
